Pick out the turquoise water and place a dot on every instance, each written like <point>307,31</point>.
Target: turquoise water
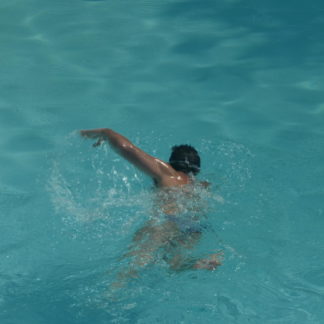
<point>242,81</point>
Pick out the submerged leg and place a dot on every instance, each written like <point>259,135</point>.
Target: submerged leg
<point>209,263</point>
<point>146,242</point>
<point>179,263</point>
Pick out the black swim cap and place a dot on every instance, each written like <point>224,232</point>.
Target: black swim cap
<point>185,158</point>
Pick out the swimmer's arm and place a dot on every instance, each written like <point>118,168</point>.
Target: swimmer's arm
<point>143,161</point>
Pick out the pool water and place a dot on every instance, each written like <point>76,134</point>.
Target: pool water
<point>242,81</point>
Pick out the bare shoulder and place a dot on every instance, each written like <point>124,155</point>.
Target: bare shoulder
<point>172,178</point>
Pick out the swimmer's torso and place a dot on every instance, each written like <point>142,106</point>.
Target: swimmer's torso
<point>182,205</point>
<point>175,200</point>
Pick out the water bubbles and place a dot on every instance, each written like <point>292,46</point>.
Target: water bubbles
<point>94,192</point>
<point>227,165</point>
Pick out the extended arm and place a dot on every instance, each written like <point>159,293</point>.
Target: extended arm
<point>145,162</point>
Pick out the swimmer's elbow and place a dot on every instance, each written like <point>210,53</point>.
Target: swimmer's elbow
<point>117,141</point>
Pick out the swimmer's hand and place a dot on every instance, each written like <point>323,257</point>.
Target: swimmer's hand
<point>98,143</point>
<point>91,133</point>
<point>94,134</point>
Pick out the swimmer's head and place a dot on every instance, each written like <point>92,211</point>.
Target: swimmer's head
<point>185,158</point>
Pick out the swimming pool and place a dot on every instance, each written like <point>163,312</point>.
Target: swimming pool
<point>242,81</point>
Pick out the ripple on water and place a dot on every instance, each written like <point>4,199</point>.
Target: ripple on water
<point>10,200</point>
<point>28,141</point>
<point>10,117</point>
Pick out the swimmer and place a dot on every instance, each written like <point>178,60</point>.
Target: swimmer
<point>172,180</point>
